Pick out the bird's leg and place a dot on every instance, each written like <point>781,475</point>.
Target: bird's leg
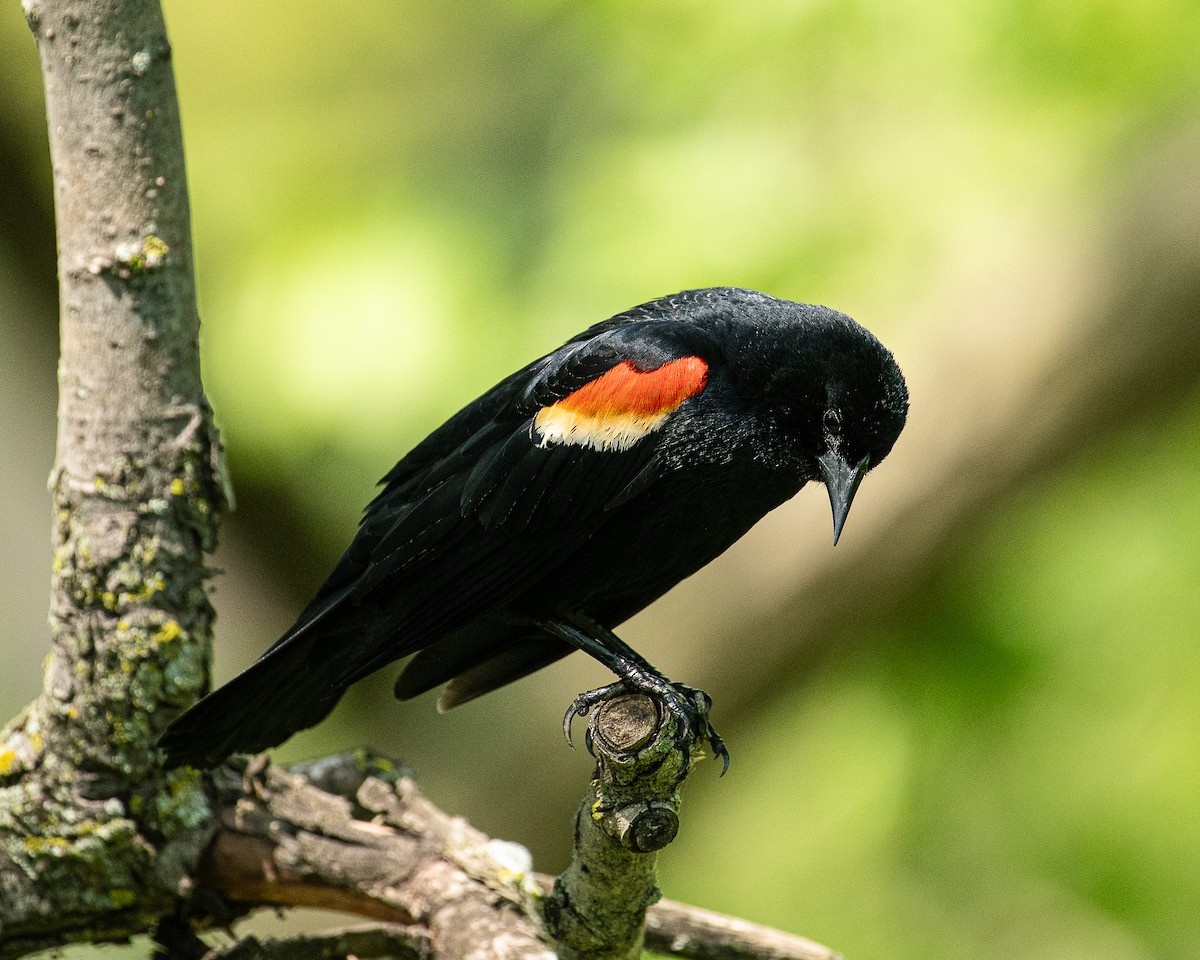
<point>635,675</point>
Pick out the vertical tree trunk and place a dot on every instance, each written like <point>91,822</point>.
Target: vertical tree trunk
<point>86,827</point>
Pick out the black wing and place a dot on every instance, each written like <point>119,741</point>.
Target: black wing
<point>479,510</point>
<point>487,505</point>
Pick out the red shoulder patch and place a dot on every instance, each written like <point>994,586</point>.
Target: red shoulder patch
<point>622,405</point>
<point>625,389</point>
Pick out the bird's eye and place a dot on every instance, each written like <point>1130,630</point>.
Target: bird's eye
<point>832,421</point>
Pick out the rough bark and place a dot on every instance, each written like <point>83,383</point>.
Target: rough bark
<point>366,942</point>
<point>377,848</point>
<point>598,907</point>
<point>354,833</point>
<point>90,837</point>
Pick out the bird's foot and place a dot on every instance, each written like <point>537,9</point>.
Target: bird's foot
<point>703,703</point>
<point>689,705</point>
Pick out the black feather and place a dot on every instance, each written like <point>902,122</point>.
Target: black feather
<point>488,534</point>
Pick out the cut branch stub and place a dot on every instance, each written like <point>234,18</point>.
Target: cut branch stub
<point>630,737</point>
<point>626,724</point>
<point>598,907</point>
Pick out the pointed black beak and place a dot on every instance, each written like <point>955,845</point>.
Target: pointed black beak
<point>841,480</point>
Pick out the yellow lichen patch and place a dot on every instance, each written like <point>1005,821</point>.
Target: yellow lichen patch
<point>52,845</point>
<point>151,254</point>
<point>177,487</point>
<point>155,244</point>
<point>147,589</point>
<point>36,741</point>
<point>171,630</point>
<point>8,760</point>
<point>512,877</point>
<point>123,898</point>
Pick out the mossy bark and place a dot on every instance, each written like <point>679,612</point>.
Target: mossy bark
<point>597,910</point>
<point>90,834</point>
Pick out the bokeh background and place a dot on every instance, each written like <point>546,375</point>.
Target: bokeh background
<point>973,730</point>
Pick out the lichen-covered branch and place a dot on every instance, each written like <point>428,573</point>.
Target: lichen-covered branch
<point>597,910</point>
<point>376,848</point>
<point>353,833</point>
<point>89,835</point>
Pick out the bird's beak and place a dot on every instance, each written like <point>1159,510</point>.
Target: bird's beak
<point>841,480</point>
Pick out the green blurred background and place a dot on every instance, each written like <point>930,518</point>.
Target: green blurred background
<point>971,731</point>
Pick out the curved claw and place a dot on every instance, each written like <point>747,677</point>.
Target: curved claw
<point>717,745</point>
<point>698,704</point>
<point>568,717</point>
<point>582,705</point>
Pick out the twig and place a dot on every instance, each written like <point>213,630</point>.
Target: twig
<point>597,910</point>
<point>699,934</point>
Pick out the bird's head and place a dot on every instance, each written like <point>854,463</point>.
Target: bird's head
<point>863,403</point>
<point>837,393</point>
<point>859,424</point>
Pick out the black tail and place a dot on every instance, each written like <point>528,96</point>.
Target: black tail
<point>261,707</point>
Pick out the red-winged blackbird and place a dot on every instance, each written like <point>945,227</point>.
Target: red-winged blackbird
<point>567,498</point>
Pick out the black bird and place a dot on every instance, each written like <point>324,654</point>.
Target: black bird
<point>567,498</point>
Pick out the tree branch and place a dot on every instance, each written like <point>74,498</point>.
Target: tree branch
<point>91,838</point>
<point>699,934</point>
<point>379,849</point>
<point>598,907</point>
<point>355,834</point>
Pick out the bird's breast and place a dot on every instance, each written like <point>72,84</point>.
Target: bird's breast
<point>687,518</point>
